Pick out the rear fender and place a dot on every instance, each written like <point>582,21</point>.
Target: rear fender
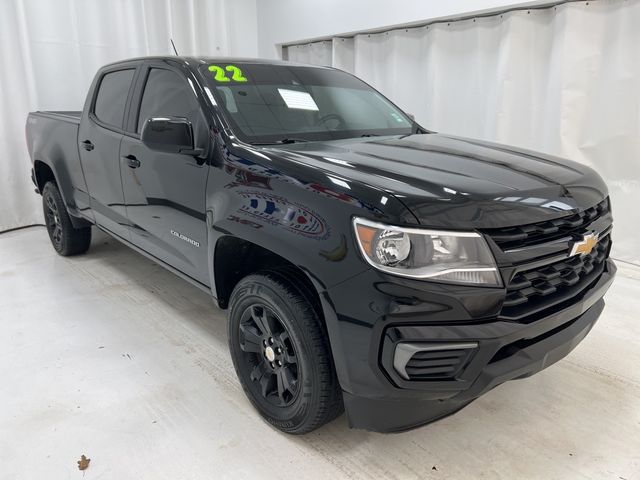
<point>57,171</point>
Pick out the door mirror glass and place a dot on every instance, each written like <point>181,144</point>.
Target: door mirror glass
<point>169,135</point>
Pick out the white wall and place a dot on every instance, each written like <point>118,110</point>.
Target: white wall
<point>286,21</point>
<point>243,37</point>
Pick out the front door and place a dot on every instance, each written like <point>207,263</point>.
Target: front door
<point>165,193</point>
<point>99,140</point>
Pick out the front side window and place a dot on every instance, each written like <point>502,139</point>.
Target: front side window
<point>167,94</point>
<point>112,97</point>
<point>271,103</point>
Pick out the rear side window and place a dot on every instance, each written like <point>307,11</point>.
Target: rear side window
<point>112,97</point>
<point>167,94</point>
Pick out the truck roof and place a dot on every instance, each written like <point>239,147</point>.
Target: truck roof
<point>190,60</point>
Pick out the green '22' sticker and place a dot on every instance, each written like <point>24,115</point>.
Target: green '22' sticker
<point>220,74</point>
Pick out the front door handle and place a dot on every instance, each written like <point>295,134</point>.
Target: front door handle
<point>87,145</point>
<point>132,161</point>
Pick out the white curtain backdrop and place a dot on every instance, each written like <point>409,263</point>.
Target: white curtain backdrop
<point>50,51</point>
<point>562,80</point>
<point>317,53</point>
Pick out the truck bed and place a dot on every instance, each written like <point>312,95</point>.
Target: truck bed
<point>67,116</point>
<point>52,139</point>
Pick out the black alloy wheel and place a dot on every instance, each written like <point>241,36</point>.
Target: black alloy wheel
<point>65,238</point>
<point>52,220</point>
<point>281,353</point>
<point>270,355</point>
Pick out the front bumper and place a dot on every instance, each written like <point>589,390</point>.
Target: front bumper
<point>364,336</point>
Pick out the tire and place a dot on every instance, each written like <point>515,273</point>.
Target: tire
<point>281,354</point>
<point>66,239</point>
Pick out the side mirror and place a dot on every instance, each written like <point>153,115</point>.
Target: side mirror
<point>169,135</point>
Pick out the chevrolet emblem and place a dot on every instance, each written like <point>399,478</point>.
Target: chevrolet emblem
<point>584,246</point>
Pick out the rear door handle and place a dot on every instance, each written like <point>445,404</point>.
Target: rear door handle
<point>87,145</point>
<point>132,161</point>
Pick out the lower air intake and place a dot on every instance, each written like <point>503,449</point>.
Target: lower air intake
<point>432,361</point>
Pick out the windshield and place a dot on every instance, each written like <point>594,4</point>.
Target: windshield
<point>280,103</point>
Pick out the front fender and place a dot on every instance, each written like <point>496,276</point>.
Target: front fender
<point>293,210</point>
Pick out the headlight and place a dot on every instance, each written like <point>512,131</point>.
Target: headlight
<point>454,257</point>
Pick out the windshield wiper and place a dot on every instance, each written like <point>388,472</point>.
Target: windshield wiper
<point>283,141</point>
<point>369,135</point>
<point>293,140</point>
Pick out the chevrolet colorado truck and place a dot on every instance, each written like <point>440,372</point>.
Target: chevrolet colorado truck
<point>366,263</point>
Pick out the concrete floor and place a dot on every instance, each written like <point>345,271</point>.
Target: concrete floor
<point>110,356</point>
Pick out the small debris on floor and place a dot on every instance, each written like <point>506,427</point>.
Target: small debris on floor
<point>434,468</point>
<point>83,463</point>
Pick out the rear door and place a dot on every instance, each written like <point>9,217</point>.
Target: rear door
<point>99,139</point>
<point>165,193</point>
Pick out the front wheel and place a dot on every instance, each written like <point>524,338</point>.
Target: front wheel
<point>281,354</point>
<point>66,239</point>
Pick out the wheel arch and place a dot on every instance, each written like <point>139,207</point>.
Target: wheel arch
<point>234,258</point>
<point>43,173</point>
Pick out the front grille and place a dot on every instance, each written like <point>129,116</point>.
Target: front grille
<point>437,364</point>
<point>531,291</point>
<point>521,236</point>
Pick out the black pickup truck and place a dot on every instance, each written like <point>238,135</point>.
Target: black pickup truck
<point>366,263</point>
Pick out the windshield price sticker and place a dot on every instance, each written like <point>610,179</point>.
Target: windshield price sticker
<point>221,74</point>
<point>298,100</point>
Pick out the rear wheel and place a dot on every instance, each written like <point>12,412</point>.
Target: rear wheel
<point>66,239</point>
<point>281,354</point>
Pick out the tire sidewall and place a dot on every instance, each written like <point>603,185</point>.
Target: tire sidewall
<point>258,291</point>
<point>73,241</point>
<point>51,191</point>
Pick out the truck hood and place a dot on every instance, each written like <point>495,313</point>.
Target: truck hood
<point>455,182</point>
